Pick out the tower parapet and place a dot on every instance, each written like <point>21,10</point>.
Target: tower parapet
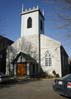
<point>24,11</point>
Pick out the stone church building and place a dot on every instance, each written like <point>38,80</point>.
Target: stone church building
<point>34,52</point>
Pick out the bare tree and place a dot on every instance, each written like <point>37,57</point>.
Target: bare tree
<point>11,55</point>
<point>65,17</point>
<point>62,15</point>
<point>29,48</point>
<point>22,45</point>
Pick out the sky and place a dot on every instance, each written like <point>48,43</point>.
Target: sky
<point>10,19</point>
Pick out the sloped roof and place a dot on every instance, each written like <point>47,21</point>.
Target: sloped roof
<point>49,38</point>
<point>2,38</point>
<point>4,43</point>
<point>27,57</point>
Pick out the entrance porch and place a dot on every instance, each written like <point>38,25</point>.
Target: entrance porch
<point>25,66</point>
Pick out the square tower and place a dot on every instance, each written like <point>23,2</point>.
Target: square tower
<point>32,22</point>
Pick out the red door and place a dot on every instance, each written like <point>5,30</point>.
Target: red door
<point>21,69</point>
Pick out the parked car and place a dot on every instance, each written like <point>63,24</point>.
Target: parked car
<point>63,85</point>
<point>4,78</point>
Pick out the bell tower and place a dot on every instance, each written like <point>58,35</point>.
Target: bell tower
<point>32,21</point>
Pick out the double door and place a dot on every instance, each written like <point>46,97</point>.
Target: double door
<point>21,69</point>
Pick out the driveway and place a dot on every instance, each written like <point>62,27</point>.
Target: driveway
<point>41,89</point>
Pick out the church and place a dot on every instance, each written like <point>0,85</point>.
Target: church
<point>34,52</point>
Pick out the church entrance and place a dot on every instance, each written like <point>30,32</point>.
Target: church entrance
<point>24,66</point>
<point>21,69</point>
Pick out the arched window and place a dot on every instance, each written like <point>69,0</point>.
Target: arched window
<point>29,22</point>
<point>48,61</point>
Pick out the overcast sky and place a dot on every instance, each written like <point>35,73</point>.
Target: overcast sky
<point>10,19</point>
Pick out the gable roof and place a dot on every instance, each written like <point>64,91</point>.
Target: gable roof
<point>51,39</point>
<point>27,57</point>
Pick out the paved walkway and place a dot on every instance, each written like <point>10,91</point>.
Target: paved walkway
<point>38,89</point>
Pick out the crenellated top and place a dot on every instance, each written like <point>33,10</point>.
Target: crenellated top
<point>24,11</point>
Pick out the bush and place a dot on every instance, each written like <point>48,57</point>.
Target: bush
<point>49,76</point>
<point>43,75</point>
<point>57,75</point>
<point>54,72</point>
